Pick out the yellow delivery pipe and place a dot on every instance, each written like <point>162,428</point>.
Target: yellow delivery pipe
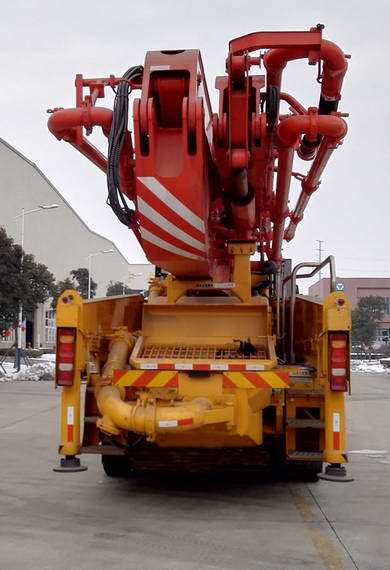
<point>118,355</point>
<point>146,418</point>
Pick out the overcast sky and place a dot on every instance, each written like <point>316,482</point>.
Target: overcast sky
<point>43,44</point>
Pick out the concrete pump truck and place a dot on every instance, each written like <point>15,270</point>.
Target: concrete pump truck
<point>224,364</point>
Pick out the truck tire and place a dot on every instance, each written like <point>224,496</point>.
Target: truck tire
<point>116,465</point>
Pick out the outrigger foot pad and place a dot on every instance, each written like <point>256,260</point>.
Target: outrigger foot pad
<point>335,472</point>
<point>70,464</point>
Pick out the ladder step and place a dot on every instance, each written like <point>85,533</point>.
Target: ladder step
<point>303,372</point>
<point>102,450</point>
<point>305,455</point>
<point>302,376</point>
<point>303,423</point>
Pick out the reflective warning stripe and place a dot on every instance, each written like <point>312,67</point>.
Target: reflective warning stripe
<point>247,380</point>
<point>336,430</point>
<point>172,229</point>
<point>141,378</point>
<point>172,202</point>
<point>216,367</point>
<point>70,423</point>
<point>169,379</point>
<point>166,222</point>
<point>175,423</point>
<point>162,244</point>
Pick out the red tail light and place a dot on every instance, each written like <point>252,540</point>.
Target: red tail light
<point>339,361</point>
<point>66,353</point>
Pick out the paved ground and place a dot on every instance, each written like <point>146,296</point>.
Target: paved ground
<point>86,521</point>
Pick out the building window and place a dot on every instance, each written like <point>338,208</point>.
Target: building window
<point>383,335</point>
<point>50,327</point>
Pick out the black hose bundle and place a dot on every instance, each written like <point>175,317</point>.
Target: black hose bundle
<point>120,114</point>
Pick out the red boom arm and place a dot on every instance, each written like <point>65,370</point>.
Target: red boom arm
<point>199,181</point>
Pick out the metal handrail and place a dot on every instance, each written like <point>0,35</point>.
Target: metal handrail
<point>293,278</point>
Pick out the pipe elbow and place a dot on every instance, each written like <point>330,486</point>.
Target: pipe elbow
<point>119,350</point>
<point>276,59</point>
<point>148,419</point>
<point>58,128</point>
<point>116,413</point>
<point>336,130</point>
<point>335,68</point>
<point>63,122</point>
<point>289,130</point>
<point>333,57</point>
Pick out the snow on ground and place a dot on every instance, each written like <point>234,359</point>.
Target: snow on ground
<point>48,357</point>
<point>368,366</point>
<point>44,370</point>
<point>36,373</point>
<point>9,367</point>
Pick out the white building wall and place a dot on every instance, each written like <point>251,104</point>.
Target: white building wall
<point>59,238</point>
<point>139,275</point>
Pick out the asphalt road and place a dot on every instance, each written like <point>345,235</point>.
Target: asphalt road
<point>86,521</point>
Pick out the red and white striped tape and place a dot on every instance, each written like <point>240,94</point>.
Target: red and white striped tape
<point>70,423</point>
<point>217,367</point>
<point>167,222</point>
<point>336,430</point>
<point>175,423</point>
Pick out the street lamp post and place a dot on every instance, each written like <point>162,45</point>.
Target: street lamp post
<point>22,215</point>
<point>128,279</point>
<point>90,256</point>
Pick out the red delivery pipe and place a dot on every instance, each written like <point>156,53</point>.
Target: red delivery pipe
<point>294,104</point>
<point>334,69</point>
<point>310,184</point>
<point>64,119</point>
<point>312,124</point>
<point>289,131</point>
<point>285,163</point>
<point>88,150</point>
<point>66,124</point>
<point>335,66</point>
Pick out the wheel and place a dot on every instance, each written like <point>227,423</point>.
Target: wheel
<point>116,465</point>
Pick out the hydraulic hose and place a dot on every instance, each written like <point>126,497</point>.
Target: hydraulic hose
<point>117,140</point>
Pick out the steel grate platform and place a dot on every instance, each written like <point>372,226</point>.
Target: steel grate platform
<point>193,352</point>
